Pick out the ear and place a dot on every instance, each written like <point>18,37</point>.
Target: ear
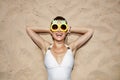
<point>69,30</point>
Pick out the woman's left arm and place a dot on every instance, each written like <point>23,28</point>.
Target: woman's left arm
<point>84,33</point>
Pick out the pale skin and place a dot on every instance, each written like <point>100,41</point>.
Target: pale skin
<point>59,49</point>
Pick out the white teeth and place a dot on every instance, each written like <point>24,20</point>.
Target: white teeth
<point>59,34</point>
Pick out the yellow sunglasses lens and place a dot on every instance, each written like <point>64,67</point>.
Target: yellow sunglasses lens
<point>54,27</point>
<point>63,27</point>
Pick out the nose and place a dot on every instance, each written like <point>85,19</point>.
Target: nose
<point>59,30</point>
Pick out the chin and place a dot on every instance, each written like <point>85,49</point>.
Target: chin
<point>59,38</point>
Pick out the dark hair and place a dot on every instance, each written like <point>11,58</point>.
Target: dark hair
<point>60,18</point>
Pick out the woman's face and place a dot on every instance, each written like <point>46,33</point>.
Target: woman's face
<point>59,30</point>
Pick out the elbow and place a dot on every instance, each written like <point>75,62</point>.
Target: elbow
<point>91,31</point>
<point>28,30</point>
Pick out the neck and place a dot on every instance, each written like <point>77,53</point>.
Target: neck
<point>58,44</point>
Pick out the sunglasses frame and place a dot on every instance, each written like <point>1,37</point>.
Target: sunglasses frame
<point>59,23</point>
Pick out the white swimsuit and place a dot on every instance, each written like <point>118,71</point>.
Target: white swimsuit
<point>58,71</point>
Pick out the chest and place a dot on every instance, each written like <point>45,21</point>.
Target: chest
<point>58,54</point>
<point>67,60</point>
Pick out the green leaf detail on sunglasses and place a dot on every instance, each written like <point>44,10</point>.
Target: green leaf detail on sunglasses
<point>58,21</point>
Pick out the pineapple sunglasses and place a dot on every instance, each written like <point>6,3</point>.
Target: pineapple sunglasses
<point>59,25</point>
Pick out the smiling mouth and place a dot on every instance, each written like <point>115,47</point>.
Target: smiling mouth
<point>59,34</point>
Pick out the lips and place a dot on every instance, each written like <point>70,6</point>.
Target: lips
<point>59,34</point>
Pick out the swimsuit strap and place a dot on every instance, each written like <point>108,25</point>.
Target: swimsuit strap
<point>52,45</point>
<point>67,46</point>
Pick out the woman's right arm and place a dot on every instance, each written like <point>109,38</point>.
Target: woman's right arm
<point>33,33</point>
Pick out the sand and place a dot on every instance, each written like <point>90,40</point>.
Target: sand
<point>21,59</point>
